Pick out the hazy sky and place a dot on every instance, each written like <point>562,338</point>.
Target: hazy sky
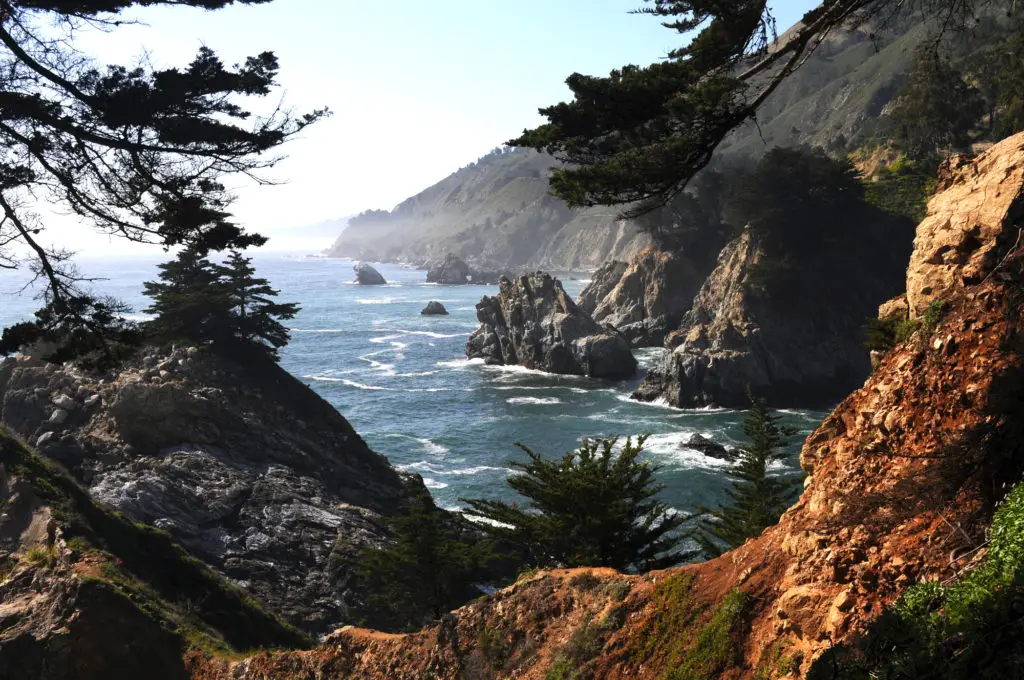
<point>418,89</point>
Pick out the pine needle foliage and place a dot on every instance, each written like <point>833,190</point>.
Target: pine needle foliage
<point>430,565</point>
<point>757,499</point>
<point>591,507</point>
<point>226,306</point>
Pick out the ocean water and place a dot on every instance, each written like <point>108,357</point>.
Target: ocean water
<point>403,381</point>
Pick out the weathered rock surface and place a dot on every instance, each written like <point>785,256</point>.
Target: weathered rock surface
<point>973,219</point>
<point>368,276</point>
<point>711,448</point>
<point>245,466</point>
<point>650,296</point>
<point>434,308</point>
<point>797,347</point>
<point>449,271</point>
<point>534,323</point>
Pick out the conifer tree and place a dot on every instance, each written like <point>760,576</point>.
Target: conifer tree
<point>190,302</point>
<point>256,318</point>
<point>757,498</point>
<point>591,507</point>
<point>431,563</point>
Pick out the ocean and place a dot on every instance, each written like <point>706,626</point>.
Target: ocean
<point>403,380</point>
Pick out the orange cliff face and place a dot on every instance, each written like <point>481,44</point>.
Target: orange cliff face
<point>903,477</point>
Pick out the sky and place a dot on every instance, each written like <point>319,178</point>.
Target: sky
<point>417,89</point>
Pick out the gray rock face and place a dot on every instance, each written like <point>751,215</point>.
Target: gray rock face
<point>711,448</point>
<point>449,271</point>
<point>534,323</point>
<point>247,467</point>
<point>799,347</point>
<point>646,299</point>
<point>368,276</point>
<point>434,308</point>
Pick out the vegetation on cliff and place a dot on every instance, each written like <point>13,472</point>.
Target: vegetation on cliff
<point>595,506</point>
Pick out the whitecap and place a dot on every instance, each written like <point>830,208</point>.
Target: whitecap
<point>317,330</point>
<point>378,301</point>
<point>460,363</point>
<point>671,448</point>
<point>533,400</point>
<point>473,470</point>
<point>433,483</point>
<point>378,388</point>
<point>430,446</point>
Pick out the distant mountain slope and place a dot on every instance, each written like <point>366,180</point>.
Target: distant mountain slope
<point>496,213</point>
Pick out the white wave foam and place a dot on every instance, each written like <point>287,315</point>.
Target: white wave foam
<point>378,388</point>
<point>533,400</point>
<point>378,301</point>
<point>473,470</point>
<point>433,483</point>
<point>430,446</point>
<point>317,330</point>
<point>460,363</point>
<point>671,448</point>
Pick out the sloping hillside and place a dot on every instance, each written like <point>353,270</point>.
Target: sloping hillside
<point>495,213</point>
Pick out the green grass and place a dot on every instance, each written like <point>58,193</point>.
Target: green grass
<point>715,648</point>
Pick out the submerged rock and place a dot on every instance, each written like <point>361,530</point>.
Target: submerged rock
<point>368,276</point>
<point>534,323</point>
<point>434,308</point>
<point>449,271</point>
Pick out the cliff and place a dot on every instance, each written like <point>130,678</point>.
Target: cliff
<point>903,479</point>
<point>242,464</point>
<point>493,214</point>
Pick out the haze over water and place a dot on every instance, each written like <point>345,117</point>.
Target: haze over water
<point>404,383</point>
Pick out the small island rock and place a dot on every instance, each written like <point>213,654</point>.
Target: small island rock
<point>434,308</point>
<point>368,276</point>
<point>450,271</point>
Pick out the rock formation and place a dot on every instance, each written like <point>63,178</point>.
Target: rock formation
<point>798,345</point>
<point>246,467</point>
<point>902,480</point>
<point>534,323</point>
<point>711,448</point>
<point>649,297</point>
<point>449,271</point>
<point>976,215</point>
<point>368,276</point>
<point>434,308</point>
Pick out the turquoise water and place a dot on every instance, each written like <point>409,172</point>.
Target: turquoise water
<point>404,383</point>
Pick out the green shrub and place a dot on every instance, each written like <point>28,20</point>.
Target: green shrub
<point>933,315</point>
<point>884,334</point>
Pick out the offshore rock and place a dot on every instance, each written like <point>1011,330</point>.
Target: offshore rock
<point>244,465</point>
<point>449,271</point>
<point>434,308</point>
<point>368,276</point>
<point>534,323</point>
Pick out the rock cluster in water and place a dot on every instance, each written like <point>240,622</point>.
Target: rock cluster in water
<point>434,308</point>
<point>532,322</point>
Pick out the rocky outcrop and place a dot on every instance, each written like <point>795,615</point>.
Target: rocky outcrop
<point>449,271</point>
<point>711,448</point>
<point>534,323</point>
<point>602,282</point>
<point>797,345</point>
<point>245,466</point>
<point>87,595</point>
<point>368,276</point>
<point>651,294</point>
<point>976,215</point>
<point>434,308</point>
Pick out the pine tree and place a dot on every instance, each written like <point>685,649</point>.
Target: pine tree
<point>592,507</point>
<point>190,303</point>
<point>431,565</point>
<point>256,318</point>
<point>757,498</point>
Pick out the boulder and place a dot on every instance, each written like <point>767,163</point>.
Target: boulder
<point>534,323</point>
<point>368,276</point>
<point>602,282</point>
<point>434,308</point>
<point>449,271</point>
